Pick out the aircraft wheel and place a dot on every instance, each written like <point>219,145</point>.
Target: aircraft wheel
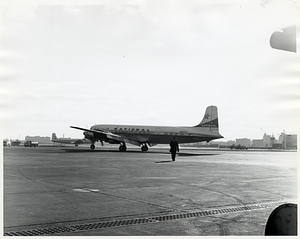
<point>144,148</point>
<point>122,148</point>
<point>92,146</point>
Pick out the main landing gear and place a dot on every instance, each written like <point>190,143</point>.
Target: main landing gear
<point>144,148</point>
<point>92,146</point>
<point>123,147</point>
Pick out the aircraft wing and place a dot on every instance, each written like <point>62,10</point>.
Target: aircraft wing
<point>89,130</point>
<point>99,132</point>
<point>109,135</point>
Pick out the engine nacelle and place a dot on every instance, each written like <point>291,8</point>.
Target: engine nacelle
<point>88,135</point>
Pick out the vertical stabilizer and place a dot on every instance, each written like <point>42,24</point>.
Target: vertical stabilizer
<point>210,119</point>
<point>54,136</point>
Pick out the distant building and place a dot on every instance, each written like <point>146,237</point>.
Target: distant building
<point>41,140</point>
<point>281,138</point>
<point>243,142</point>
<point>288,141</point>
<point>273,141</point>
<point>15,142</point>
<point>258,143</point>
<point>267,140</point>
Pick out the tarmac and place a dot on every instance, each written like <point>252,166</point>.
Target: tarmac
<point>73,191</point>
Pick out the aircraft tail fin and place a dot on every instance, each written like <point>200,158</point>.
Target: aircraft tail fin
<point>54,136</point>
<point>210,120</point>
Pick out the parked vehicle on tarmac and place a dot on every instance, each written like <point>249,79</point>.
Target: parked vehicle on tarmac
<point>31,144</point>
<point>238,146</point>
<point>6,143</point>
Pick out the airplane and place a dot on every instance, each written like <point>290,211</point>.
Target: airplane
<point>69,140</point>
<point>144,136</point>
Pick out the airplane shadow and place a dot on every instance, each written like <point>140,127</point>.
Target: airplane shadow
<point>96,151</point>
<point>195,154</point>
<point>110,151</point>
<point>185,154</point>
<point>181,154</point>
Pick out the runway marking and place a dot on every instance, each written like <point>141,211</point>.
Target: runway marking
<point>159,177</point>
<point>145,220</point>
<point>85,190</point>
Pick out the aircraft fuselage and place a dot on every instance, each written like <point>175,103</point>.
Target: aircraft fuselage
<point>158,134</point>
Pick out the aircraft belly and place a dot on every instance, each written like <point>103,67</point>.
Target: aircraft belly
<point>161,138</point>
<point>134,139</point>
<point>166,139</point>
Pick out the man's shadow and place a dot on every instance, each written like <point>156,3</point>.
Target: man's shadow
<point>186,154</point>
<point>167,161</point>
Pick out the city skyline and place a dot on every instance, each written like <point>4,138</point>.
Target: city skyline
<point>277,137</point>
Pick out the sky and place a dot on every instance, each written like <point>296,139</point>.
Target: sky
<point>147,63</point>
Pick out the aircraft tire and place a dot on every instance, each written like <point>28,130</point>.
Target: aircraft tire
<point>92,146</point>
<point>122,148</point>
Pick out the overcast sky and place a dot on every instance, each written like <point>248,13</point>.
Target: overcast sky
<point>147,63</point>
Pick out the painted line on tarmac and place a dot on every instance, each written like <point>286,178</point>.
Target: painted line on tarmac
<point>145,220</point>
<point>85,190</point>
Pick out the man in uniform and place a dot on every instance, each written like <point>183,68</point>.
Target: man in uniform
<point>174,148</point>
